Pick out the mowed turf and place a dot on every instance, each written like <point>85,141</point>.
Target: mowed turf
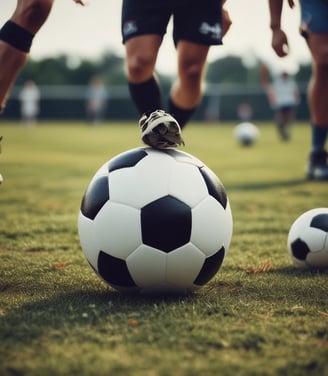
<point>258,316</point>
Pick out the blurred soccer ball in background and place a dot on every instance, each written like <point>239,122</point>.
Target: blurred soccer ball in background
<point>246,133</point>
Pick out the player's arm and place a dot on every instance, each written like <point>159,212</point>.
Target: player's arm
<point>279,38</point>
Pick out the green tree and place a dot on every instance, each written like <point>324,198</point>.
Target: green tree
<point>227,70</point>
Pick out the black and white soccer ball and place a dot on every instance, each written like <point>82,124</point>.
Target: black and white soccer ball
<point>246,133</point>
<point>308,239</point>
<point>155,221</point>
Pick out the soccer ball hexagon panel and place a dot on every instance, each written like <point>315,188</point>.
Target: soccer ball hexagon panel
<point>155,220</point>
<point>308,239</point>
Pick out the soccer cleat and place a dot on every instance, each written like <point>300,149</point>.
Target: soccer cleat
<point>160,130</point>
<point>317,168</point>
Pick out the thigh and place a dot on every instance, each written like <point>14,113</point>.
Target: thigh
<point>143,48</point>
<point>191,53</point>
<point>143,17</point>
<point>318,46</point>
<point>31,14</point>
<point>199,22</point>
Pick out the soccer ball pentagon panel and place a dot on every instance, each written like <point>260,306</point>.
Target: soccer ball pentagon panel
<point>246,133</point>
<point>155,221</point>
<point>308,239</point>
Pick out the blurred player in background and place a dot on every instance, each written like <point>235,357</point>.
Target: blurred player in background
<point>283,96</point>
<point>197,25</point>
<point>29,98</point>
<point>16,37</point>
<point>96,100</point>
<point>314,28</point>
<point>244,112</point>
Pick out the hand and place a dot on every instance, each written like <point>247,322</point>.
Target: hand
<point>291,3</point>
<point>280,42</point>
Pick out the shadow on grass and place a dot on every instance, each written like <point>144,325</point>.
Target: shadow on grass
<point>256,186</point>
<point>78,309</point>
<point>98,306</point>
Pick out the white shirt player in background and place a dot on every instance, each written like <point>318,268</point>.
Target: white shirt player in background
<point>96,100</point>
<point>283,96</point>
<point>30,103</point>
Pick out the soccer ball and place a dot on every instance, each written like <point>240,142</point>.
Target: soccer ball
<point>308,239</point>
<point>246,133</point>
<point>155,221</point>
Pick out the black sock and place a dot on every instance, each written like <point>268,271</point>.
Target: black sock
<point>180,114</point>
<point>319,137</point>
<point>147,95</point>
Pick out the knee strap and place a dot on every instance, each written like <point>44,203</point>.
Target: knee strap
<point>16,36</point>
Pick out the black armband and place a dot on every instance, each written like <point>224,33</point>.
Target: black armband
<point>16,36</point>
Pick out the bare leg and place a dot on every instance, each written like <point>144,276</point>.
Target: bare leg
<point>283,120</point>
<point>186,92</point>
<point>11,62</point>
<point>318,85</point>
<point>30,15</point>
<point>141,56</point>
<point>317,98</point>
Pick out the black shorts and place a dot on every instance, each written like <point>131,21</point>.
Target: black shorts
<point>197,21</point>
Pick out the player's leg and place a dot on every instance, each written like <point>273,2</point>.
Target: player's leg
<point>141,55</point>
<point>194,30</point>
<point>144,24</point>
<point>278,117</point>
<point>158,129</point>
<point>284,117</point>
<point>142,38</point>
<point>314,28</point>
<point>186,92</point>
<point>16,37</point>
<point>317,98</point>
<point>318,85</point>
<point>290,116</point>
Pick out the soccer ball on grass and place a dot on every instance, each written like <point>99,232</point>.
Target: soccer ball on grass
<point>246,133</point>
<point>155,220</point>
<point>308,239</point>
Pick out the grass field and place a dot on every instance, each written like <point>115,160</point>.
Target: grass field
<point>258,316</point>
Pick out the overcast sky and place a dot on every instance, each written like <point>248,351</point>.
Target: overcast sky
<point>92,30</point>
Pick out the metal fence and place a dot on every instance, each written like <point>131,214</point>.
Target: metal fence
<point>220,102</point>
